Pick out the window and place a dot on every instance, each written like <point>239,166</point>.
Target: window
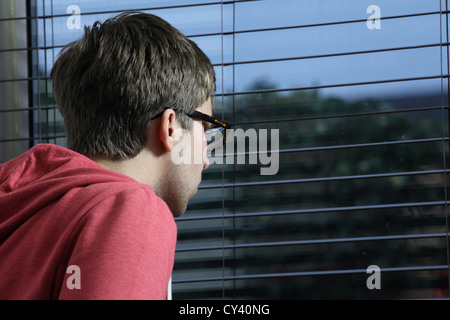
<point>360,105</point>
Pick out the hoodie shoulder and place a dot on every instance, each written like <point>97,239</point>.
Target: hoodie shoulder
<point>37,163</point>
<point>46,162</point>
<point>41,177</point>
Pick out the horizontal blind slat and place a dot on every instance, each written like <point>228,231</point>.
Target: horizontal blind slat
<point>312,211</point>
<point>324,179</point>
<point>308,273</point>
<point>313,242</point>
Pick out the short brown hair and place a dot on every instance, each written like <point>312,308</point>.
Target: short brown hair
<point>111,82</point>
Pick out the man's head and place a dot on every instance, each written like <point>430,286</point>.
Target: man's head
<point>111,83</point>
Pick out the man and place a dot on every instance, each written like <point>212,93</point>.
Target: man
<point>95,221</point>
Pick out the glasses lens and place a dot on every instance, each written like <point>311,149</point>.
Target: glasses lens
<point>215,138</point>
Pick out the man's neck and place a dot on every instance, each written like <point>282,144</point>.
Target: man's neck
<point>142,168</point>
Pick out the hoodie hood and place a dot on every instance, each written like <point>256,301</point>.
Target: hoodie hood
<point>40,176</point>
<point>59,209</point>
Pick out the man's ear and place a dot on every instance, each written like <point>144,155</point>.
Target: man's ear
<point>168,133</point>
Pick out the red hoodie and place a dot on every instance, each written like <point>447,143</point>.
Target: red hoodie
<point>70,229</point>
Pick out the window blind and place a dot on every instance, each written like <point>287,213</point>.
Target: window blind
<point>359,96</point>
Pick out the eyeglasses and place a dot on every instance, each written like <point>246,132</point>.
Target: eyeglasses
<point>215,134</point>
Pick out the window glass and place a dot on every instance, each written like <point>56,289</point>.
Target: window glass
<point>286,13</point>
<point>337,39</point>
